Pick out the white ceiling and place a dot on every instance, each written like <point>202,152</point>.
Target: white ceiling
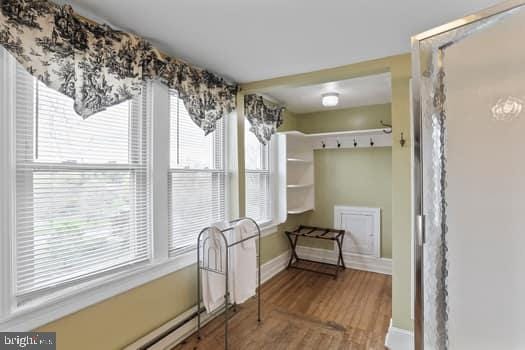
<point>260,39</point>
<point>370,90</point>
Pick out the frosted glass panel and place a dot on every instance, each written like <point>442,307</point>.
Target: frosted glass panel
<point>473,96</point>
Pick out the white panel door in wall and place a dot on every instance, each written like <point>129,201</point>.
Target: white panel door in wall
<point>362,226</point>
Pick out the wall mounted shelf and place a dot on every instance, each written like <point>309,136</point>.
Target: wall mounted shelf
<point>350,139</point>
<point>296,162</point>
<point>299,211</point>
<point>296,174</point>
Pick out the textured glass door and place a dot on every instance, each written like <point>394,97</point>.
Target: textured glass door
<point>470,146</point>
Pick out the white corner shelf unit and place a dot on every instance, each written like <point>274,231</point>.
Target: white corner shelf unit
<point>296,163</point>
<point>296,174</point>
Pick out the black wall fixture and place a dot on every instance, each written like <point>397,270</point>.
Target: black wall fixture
<point>402,140</point>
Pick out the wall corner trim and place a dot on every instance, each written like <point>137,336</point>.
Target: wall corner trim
<point>399,339</point>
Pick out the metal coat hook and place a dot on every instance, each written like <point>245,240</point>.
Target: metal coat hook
<point>323,144</point>
<point>355,142</point>
<point>338,144</point>
<point>371,142</point>
<point>402,141</point>
<point>388,127</point>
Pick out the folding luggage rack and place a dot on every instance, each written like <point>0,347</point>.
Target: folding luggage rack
<point>316,233</point>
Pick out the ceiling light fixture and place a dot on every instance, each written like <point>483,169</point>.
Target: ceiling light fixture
<point>330,100</point>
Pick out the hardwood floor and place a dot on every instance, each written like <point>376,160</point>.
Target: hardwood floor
<point>306,310</point>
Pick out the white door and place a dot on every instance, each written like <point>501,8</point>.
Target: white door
<point>362,226</point>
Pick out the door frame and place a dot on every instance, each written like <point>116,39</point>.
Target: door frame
<point>417,168</point>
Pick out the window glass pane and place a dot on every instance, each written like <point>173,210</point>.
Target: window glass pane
<point>189,147</point>
<point>196,178</point>
<point>82,189</point>
<point>258,200</point>
<point>258,178</point>
<point>256,153</point>
<point>82,222</point>
<point>63,136</point>
<point>196,201</point>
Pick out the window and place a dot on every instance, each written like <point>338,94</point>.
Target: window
<point>82,198</point>
<point>84,218</point>
<point>197,178</point>
<point>258,178</point>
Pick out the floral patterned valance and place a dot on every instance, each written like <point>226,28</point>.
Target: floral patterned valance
<point>98,66</point>
<point>264,117</point>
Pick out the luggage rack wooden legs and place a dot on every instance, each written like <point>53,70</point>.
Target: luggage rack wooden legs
<point>316,233</point>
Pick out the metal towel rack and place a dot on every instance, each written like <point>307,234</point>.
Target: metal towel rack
<point>223,250</point>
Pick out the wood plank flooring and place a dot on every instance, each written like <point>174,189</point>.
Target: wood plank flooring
<point>307,310</point>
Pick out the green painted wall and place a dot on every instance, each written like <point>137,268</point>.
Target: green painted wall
<point>401,195</point>
<point>353,177</point>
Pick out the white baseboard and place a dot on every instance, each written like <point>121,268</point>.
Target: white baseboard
<point>268,270</point>
<point>399,339</point>
<point>274,266</point>
<point>353,261</point>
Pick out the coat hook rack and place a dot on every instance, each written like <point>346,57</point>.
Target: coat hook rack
<point>355,142</point>
<point>338,144</point>
<point>371,142</point>
<point>323,144</point>
<point>388,127</point>
<point>402,140</point>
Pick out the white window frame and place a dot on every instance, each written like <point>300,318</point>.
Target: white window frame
<point>270,226</point>
<point>224,171</point>
<point>265,153</point>
<point>28,156</point>
<point>63,302</point>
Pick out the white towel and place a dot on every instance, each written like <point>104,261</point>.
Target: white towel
<point>214,257</point>
<point>244,262</point>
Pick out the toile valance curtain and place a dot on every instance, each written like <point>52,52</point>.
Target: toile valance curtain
<point>264,117</point>
<point>99,67</point>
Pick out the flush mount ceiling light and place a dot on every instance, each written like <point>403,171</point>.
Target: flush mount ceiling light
<point>330,100</point>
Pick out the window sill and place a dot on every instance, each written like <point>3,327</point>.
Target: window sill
<point>52,307</point>
<point>268,229</point>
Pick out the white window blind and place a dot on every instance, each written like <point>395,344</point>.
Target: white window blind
<point>82,189</point>
<point>258,178</point>
<point>197,178</point>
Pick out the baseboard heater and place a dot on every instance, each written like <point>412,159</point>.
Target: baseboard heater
<point>173,332</point>
<point>181,327</point>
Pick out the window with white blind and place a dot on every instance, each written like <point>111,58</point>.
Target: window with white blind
<point>197,178</point>
<point>82,189</point>
<point>258,178</point>
<point>92,208</point>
